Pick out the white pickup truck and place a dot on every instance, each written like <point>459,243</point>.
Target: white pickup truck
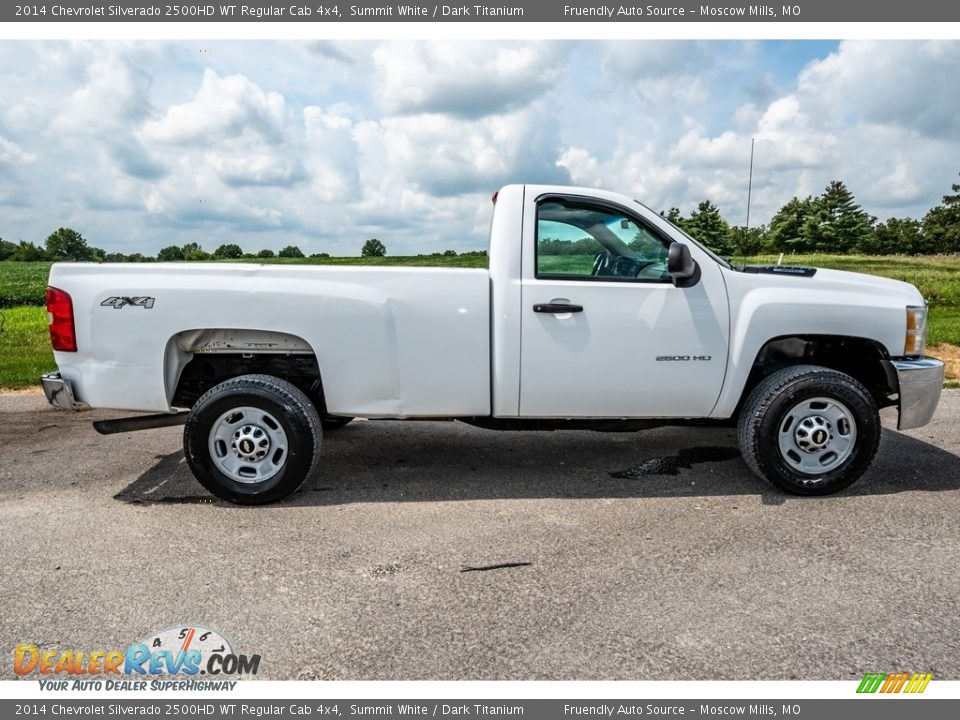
<point>595,313</point>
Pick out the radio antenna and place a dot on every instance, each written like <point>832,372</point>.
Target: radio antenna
<point>750,183</point>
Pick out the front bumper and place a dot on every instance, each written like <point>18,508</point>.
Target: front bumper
<point>920,381</point>
<point>59,392</point>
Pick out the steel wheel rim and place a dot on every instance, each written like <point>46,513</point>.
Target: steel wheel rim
<point>248,445</point>
<point>817,435</point>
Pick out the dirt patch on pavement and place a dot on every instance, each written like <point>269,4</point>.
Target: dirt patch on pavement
<point>35,390</point>
<point>950,354</point>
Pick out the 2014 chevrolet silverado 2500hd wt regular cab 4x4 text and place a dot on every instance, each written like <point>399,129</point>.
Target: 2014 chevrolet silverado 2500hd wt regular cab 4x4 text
<point>595,311</point>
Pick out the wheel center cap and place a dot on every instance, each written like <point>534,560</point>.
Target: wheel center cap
<point>813,433</point>
<point>251,443</point>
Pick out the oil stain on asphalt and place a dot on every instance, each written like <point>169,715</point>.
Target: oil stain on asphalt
<point>671,464</point>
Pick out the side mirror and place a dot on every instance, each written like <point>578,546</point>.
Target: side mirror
<point>681,266</point>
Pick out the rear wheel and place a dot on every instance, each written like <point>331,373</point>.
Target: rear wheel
<point>253,439</point>
<point>809,430</point>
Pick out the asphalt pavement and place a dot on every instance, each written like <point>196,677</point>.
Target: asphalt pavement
<point>651,555</point>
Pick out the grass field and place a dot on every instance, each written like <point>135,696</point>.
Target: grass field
<point>25,352</point>
<point>936,277</point>
<point>24,346</point>
<point>22,283</point>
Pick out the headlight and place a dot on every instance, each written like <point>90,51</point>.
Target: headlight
<point>916,330</point>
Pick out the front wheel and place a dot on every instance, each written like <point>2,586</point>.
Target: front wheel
<point>809,430</point>
<point>252,439</point>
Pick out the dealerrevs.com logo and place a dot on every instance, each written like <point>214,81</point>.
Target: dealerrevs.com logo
<point>184,652</point>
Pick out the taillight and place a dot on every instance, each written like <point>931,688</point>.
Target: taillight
<point>63,335</point>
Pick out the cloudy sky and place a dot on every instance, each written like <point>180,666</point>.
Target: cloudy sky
<point>140,145</point>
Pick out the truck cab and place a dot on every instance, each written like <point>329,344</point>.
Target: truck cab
<point>606,323</point>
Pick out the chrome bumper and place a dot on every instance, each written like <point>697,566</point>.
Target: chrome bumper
<point>920,382</point>
<point>59,392</point>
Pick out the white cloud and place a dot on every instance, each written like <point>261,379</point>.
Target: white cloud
<point>465,79</point>
<point>908,85</point>
<point>114,95</point>
<point>232,134</point>
<point>331,154</point>
<point>660,71</point>
<point>223,107</point>
<point>696,151</point>
<point>445,156</point>
<point>656,58</point>
<point>13,154</point>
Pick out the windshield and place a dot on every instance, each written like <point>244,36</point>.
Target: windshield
<point>696,242</point>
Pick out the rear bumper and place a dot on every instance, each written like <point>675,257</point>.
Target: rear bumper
<point>920,382</point>
<point>59,392</point>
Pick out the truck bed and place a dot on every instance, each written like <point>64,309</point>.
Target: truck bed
<point>390,342</point>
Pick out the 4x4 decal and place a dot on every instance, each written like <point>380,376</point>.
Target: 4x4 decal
<point>118,302</point>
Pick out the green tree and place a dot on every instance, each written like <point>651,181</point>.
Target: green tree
<point>953,199</point>
<point>291,251</point>
<point>171,253</point>
<point>896,236</point>
<point>674,216</point>
<point>266,254</point>
<point>373,248</point>
<point>941,225</point>
<point>7,249</point>
<point>837,224</point>
<point>115,257</point>
<point>708,226</point>
<point>68,244</point>
<point>747,242</point>
<point>28,252</point>
<point>786,232</point>
<point>941,229</point>
<point>228,252</point>
<point>194,253</point>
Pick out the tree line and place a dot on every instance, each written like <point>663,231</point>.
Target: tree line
<point>832,222</point>
<point>66,244</point>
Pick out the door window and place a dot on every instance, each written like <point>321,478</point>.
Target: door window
<point>583,241</point>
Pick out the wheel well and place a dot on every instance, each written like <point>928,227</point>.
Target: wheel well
<point>861,358</point>
<point>204,371</point>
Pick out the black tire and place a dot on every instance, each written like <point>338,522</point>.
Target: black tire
<point>334,422</point>
<point>781,407</point>
<point>269,401</point>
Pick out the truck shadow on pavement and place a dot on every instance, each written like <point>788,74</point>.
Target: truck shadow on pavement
<point>420,462</point>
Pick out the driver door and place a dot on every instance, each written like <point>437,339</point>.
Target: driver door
<point>605,333</point>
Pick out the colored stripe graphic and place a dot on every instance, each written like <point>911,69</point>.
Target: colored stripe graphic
<point>918,683</point>
<point>871,682</point>
<point>894,682</point>
<point>890,684</point>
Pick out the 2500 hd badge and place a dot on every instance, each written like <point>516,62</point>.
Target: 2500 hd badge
<point>681,358</point>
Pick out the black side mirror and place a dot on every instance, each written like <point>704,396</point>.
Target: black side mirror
<point>681,266</point>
